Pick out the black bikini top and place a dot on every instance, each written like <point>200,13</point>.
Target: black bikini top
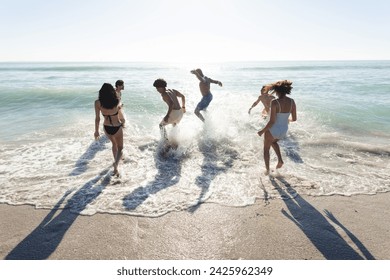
<point>109,116</point>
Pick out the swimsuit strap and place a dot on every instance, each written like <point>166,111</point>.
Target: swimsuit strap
<point>109,116</point>
<point>280,108</point>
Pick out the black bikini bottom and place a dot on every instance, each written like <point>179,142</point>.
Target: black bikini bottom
<point>112,129</point>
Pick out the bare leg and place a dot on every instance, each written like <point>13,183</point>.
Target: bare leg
<point>276,148</point>
<point>114,149</point>
<point>163,132</point>
<point>199,115</point>
<point>268,142</point>
<point>267,145</point>
<point>117,159</point>
<point>119,140</point>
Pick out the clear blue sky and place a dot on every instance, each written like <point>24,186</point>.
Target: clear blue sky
<point>203,30</point>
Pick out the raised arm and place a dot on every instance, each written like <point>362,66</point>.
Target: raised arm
<point>197,75</point>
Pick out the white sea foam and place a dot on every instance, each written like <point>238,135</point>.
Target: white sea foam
<point>220,162</point>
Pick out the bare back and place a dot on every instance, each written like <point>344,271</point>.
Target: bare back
<point>170,97</point>
<point>285,105</point>
<point>111,116</point>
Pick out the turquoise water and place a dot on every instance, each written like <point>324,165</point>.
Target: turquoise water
<point>352,96</point>
<point>339,145</point>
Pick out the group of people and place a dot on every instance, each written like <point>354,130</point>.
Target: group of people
<point>279,109</point>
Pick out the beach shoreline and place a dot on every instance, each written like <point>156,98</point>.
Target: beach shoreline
<point>302,228</point>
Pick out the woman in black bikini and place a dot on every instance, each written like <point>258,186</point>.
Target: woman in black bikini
<point>108,104</point>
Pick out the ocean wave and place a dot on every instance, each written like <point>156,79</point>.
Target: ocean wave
<point>315,68</point>
<point>76,68</point>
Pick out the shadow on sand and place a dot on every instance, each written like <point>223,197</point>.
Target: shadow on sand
<point>81,165</point>
<point>217,158</point>
<point>317,228</point>
<point>169,174</point>
<point>291,147</point>
<point>44,240</point>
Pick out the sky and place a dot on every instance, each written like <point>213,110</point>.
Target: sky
<point>203,30</point>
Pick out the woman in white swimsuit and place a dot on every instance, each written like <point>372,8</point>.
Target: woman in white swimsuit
<point>277,126</point>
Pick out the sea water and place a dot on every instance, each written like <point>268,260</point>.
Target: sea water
<point>49,158</point>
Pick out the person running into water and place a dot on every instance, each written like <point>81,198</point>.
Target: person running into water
<point>119,86</point>
<point>204,86</point>
<point>277,126</point>
<point>175,111</point>
<point>266,99</point>
<point>108,105</point>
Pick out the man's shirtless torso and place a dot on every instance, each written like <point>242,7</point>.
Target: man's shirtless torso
<point>204,86</point>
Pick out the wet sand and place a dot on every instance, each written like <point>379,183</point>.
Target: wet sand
<point>333,227</point>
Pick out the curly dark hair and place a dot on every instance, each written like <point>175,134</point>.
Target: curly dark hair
<point>160,83</point>
<point>282,87</point>
<point>107,96</point>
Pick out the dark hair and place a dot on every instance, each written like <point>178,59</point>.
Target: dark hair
<point>160,83</point>
<point>107,96</point>
<point>199,72</point>
<point>282,87</point>
<point>118,83</point>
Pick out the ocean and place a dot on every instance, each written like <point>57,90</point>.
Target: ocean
<point>49,158</point>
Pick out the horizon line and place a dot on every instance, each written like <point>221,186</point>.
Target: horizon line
<point>165,61</point>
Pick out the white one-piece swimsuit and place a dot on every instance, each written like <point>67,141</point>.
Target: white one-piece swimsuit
<point>280,127</point>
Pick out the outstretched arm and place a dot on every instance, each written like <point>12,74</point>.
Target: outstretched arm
<point>216,82</point>
<point>254,104</point>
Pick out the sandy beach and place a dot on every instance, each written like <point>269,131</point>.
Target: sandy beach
<point>306,227</point>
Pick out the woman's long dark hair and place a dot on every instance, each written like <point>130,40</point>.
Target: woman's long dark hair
<point>107,96</point>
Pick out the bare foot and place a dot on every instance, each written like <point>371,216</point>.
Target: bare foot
<point>266,172</point>
<point>115,172</point>
<point>280,164</point>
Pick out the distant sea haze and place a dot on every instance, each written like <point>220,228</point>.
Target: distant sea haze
<point>338,146</point>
